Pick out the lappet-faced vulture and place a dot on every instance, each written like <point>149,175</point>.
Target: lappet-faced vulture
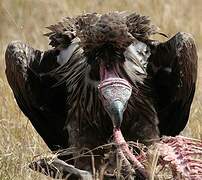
<point>104,75</point>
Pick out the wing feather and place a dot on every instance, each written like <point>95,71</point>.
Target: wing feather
<point>173,67</point>
<point>43,105</point>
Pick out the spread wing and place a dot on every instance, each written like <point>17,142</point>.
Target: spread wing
<point>173,68</point>
<point>42,103</point>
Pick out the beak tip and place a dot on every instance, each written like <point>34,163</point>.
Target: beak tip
<point>117,109</point>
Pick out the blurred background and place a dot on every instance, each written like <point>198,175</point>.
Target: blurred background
<point>26,20</point>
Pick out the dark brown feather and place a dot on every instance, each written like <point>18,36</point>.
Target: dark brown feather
<point>96,30</point>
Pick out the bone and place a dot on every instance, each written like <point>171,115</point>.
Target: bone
<point>181,154</point>
<point>59,169</point>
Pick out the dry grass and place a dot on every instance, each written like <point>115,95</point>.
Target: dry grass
<point>25,20</point>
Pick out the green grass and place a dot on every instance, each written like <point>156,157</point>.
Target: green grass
<point>26,19</point>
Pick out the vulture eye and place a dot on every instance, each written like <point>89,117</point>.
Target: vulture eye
<point>147,51</point>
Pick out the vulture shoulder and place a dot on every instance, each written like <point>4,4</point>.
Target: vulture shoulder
<point>173,68</point>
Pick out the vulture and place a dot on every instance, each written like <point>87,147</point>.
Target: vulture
<point>104,78</point>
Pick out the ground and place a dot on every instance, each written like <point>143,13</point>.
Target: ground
<point>25,20</point>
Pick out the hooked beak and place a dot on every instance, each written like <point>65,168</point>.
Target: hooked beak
<point>114,93</point>
<point>115,111</point>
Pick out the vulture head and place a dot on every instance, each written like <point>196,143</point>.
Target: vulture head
<point>107,41</point>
